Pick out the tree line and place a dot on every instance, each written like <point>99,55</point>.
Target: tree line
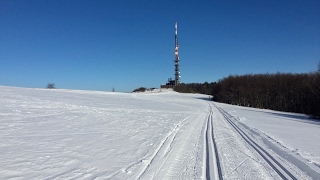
<point>288,92</point>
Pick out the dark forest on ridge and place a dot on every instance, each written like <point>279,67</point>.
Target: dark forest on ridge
<point>299,93</point>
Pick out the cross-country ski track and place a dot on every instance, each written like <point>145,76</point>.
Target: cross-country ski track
<point>70,134</point>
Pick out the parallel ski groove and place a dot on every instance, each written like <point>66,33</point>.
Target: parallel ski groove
<point>212,155</point>
<point>281,170</point>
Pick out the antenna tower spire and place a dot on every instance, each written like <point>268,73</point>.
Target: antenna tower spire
<point>176,53</point>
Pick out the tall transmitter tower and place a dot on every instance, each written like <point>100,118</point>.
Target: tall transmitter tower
<point>172,83</point>
<point>176,53</point>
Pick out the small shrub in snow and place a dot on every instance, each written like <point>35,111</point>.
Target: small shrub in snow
<point>141,89</point>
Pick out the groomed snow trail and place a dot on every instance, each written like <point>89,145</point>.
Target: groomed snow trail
<point>178,155</point>
<point>69,134</point>
<point>256,160</point>
<point>237,161</point>
<point>212,167</point>
<point>282,171</point>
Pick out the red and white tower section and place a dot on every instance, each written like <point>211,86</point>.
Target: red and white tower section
<point>176,54</point>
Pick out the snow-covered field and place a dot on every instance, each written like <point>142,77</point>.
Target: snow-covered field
<point>287,134</point>
<point>295,132</point>
<point>73,134</point>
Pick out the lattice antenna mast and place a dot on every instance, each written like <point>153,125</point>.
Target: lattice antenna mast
<point>176,53</point>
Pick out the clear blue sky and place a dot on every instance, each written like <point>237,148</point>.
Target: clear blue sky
<point>98,45</point>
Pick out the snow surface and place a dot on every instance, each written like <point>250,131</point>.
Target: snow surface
<point>73,134</point>
<point>297,133</point>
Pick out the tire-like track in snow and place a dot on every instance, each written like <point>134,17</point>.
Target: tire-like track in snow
<point>213,168</point>
<point>278,167</point>
<point>160,156</point>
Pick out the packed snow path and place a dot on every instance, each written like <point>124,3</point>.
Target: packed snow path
<point>68,134</point>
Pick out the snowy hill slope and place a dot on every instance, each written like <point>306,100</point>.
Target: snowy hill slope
<point>70,134</point>
<point>65,133</point>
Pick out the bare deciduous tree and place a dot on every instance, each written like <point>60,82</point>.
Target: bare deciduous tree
<point>50,86</point>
